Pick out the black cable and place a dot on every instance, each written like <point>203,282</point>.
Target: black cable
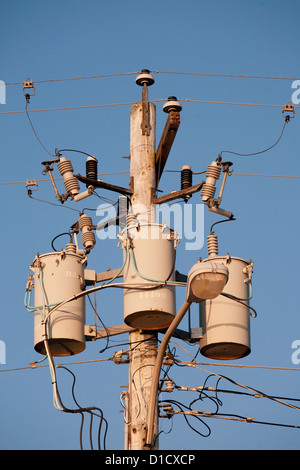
<point>60,235</point>
<point>287,119</point>
<point>91,410</point>
<point>104,326</point>
<point>241,302</point>
<point>77,151</point>
<point>52,203</point>
<point>27,101</point>
<point>220,222</point>
<point>181,406</point>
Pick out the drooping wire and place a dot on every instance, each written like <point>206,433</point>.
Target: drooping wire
<point>220,222</point>
<point>60,235</point>
<point>77,151</point>
<point>181,406</point>
<point>52,203</point>
<point>32,127</point>
<point>92,411</point>
<point>287,119</point>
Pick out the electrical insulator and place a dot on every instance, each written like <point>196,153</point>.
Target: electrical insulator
<point>71,247</point>
<point>144,78</point>
<point>91,167</point>
<point>66,170</point>
<point>186,179</point>
<point>169,385</point>
<point>172,105</point>
<point>88,238</point>
<point>212,244</point>
<point>209,188</point>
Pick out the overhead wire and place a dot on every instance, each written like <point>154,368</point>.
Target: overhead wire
<point>128,103</point>
<point>223,75</point>
<point>198,74</point>
<point>261,151</point>
<point>194,364</point>
<point>175,171</point>
<point>77,78</point>
<point>32,127</point>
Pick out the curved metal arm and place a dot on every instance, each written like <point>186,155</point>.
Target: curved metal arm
<point>155,378</point>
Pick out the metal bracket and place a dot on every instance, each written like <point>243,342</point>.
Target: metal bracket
<point>91,277</point>
<point>288,108</point>
<point>28,84</point>
<point>32,183</point>
<point>196,334</point>
<point>177,194</point>
<point>101,184</point>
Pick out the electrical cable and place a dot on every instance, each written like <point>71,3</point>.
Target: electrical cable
<point>224,75</point>
<point>56,396</point>
<point>261,151</point>
<point>220,222</point>
<point>32,127</point>
<point>244,386</point>
<point>76,78</point>
<point>53,204</point>
<point>150,279</point>
<point>199,74</point>
<point>181,406</point>
<point>60,235</point>
<point>77,151</point>
<point>93,411</point>
<point>103,325</point>
<point>236,299</point>
<point>129,103</point>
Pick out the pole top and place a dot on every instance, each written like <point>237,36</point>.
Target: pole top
<point>144,78</point>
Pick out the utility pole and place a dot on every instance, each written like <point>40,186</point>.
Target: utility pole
<point>143,345</point>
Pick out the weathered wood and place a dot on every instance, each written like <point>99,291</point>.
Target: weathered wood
<point>143,345</point>
<point>166,142</point>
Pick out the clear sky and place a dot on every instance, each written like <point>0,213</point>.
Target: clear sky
<point>46,41</point>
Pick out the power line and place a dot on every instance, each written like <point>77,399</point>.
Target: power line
<point>197,74</point>
<point>267,176</point>
<point>223,75</point>
<point>35,366</point>
<point>76,78</point>
<point>287,119</point>
<point>126,172</point>
<point>188,100</point>
<point>129,103</point>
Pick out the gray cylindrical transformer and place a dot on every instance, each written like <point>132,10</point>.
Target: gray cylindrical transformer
<point>151,257</point>
<point>57,277</point>
<point>226,323</point>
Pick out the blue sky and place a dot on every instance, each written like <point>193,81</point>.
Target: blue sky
<point>45,41</point>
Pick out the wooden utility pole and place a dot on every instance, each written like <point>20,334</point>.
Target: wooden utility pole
<point>143,345</point>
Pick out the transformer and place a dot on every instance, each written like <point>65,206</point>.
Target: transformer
<point>151,251</point>
<point>225,322</point>
<point>57,277</point>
